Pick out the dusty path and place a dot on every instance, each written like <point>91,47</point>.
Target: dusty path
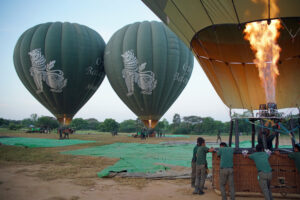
<point>20,183</point>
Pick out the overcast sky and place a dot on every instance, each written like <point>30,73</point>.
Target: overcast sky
<point>106,17</point>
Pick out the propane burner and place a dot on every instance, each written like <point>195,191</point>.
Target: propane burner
<point>268,110</point>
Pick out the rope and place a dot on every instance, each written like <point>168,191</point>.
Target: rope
<point>236,14</point>
<point>207,12</point>
<point>284,131</point>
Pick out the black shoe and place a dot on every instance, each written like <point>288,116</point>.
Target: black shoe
<point>196,191</point>
<point>201,192</point>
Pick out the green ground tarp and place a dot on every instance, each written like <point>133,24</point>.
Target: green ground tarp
<point>146,158</point>
<point>176,136</point>
<point>40,142</point>
<point>166,136</point>
<point>136,157</point>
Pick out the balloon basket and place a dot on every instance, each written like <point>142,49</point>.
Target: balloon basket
<point>285,179</point>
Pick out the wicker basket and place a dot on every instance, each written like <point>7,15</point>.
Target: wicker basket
<point>285,178</point>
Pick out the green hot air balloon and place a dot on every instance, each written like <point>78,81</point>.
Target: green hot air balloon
<point>61,64</point>
<point>148,66</point>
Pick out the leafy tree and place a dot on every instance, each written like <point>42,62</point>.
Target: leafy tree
<point>192,120</point>
<point>181,130</point>
<point>139,124</point>
<point>27,122</point>
<point>192,123</point>
<point>100,127</point>
<point>176,119</point>
<point>109,125</point>
<point>4,122</point>
<point>14,126</point>
<point>207,125</point>
<point>92,123</point>
<point>34,117</point>
<point>47,122</point>
<point>79,124</point>
<point>163,125</point>
<point>128,126</point>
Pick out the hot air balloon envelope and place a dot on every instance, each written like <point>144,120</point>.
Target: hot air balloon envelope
<point>214,30</point>
<point>61,64</point>
<point>148,66</point>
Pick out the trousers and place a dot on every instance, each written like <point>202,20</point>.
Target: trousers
<point>226,174</point>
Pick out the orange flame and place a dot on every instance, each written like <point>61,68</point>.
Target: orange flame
<point>263,41</point>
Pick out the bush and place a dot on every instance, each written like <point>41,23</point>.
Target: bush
<point>128,126</point>
<point>13,126</point>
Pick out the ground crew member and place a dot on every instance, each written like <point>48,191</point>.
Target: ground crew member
<point>226,170</point>
<point>219,136</point>
<point>193,164</point>
<point>200,166</point>
<point>296,156</point>
<point>264,169</point>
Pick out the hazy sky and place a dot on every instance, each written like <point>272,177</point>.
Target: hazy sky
<point>106,17</point>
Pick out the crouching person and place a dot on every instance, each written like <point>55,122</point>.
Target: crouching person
<point>226,170</point>
<point>264,169</point>
<point>200,166</point>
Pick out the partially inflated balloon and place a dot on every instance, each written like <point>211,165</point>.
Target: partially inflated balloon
<point>214,30</point>
<point>61,64</point>
<point>148,66</point>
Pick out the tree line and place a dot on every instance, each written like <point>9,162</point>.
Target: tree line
<point>180,125</point>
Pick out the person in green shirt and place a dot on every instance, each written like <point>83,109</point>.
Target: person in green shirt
<point>226,170</point>
<point>193,163</point>
<point>296,156</point>
<point>264,169</point>
<point>200,166</point>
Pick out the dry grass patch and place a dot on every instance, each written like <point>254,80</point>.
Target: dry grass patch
<point>80,167</point>
<point>53,165</point>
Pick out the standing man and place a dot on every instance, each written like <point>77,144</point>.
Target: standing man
<point>226,170</point>
<point>193,163</point>
<point>200,166</point>
<point>60,130</point>
<point>219,136</point>
<point>264,169</point>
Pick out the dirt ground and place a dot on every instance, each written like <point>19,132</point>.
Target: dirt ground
<point>20,183</point>
<point>74,178</point>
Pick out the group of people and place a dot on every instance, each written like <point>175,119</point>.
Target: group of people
<point>260,158</point>
<point>144,133</point>
<point>64,131</point>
